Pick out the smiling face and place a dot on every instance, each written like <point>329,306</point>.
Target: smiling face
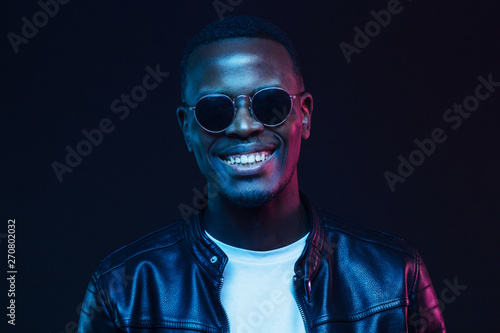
<point>248,163</point>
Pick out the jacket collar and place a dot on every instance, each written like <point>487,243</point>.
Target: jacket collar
<point>213,259</point>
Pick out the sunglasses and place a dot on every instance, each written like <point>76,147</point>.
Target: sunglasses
<point>270,106</point>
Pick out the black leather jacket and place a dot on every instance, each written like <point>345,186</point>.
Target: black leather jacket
<point>348,279</point>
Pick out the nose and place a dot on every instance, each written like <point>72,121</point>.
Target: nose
<point>243,124</point>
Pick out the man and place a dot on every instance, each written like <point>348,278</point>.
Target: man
<point>260,257</point>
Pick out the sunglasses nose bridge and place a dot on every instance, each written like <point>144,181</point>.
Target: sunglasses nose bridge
<point>244,122</point>
<point>240,101</point>
<point>243,103</point>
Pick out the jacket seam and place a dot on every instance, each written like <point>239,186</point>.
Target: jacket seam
<point>135,255</point>
<point>430,309</point>
<point>370,241</point>
<point>413,286</point>
<point>107,301</point>
<point>393,304</point>
<point>416,272</point>
<point>171,225</point>
<point>329,216</point>
<point>422,289</point>
<point>176,324</point>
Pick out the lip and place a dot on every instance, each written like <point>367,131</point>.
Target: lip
<point>247,149</point>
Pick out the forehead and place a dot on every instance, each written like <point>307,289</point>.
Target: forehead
<point>238,66</point>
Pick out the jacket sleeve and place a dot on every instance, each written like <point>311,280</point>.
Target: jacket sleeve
<point>95,315</point>
<point>424,315</point>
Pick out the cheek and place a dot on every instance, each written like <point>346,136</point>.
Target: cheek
<point>293,136</point>
<point>200,143</point>
<point>294,145</point>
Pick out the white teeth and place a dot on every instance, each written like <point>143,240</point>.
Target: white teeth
<point>247,159</point>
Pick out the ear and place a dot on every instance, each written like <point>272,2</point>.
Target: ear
<point>306,104</point>
<point>182,118</point>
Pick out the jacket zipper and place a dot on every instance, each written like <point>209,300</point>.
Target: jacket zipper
<point>301,310</point>
<point>226,318</point>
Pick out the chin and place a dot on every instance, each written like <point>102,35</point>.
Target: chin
<point>256,197</point>
<point>249,199</point>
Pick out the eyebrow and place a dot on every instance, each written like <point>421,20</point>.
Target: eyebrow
<point>221,92</point>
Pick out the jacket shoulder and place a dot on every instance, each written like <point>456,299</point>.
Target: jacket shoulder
<point>161,239</point>
<point>333,223</point>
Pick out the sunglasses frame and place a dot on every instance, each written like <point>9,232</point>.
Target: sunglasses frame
<point>233,100</point>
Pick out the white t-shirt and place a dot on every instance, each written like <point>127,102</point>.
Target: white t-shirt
<point>257,291</point>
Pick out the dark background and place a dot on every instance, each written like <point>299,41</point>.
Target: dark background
<point>366,113</point>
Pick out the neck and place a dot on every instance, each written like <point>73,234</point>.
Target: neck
<point>273,225</point>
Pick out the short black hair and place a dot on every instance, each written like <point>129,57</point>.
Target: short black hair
<point>234,27</point>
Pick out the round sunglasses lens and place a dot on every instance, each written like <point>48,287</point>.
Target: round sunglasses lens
<point>271,106</point>
<point>214,113</point>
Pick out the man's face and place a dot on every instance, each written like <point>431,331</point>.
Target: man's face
<point>242,66</point>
